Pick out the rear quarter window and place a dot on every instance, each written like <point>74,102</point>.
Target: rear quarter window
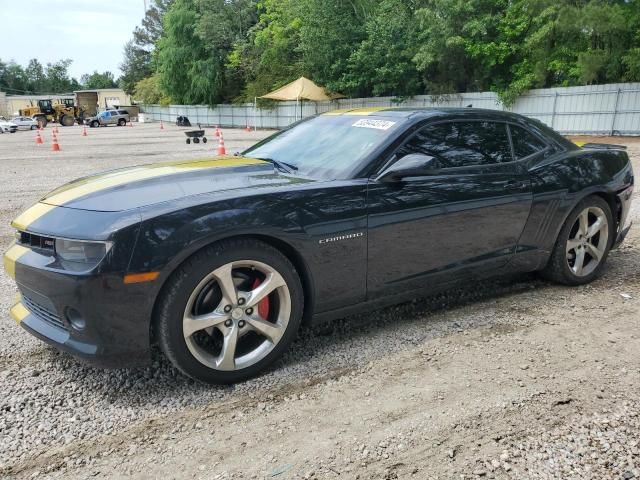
<point>524,142</point>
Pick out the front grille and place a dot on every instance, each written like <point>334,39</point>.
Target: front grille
<point>36,241</point>
<point>44,313</point>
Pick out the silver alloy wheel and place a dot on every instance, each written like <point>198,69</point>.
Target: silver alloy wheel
<point>588,241</point>
<point>238,314</point>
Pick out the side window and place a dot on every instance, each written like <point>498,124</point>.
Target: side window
<point>461,144</point>
<point>525,143</point>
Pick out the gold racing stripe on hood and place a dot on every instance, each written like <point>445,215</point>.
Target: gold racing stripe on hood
<point>357,111</point>
<point>30,215</point>
<point>88,185</point>
<point>11,257</point>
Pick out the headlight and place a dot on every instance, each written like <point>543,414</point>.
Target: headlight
<point>81,252</point>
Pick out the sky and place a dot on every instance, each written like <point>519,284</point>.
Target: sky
<point>92,33</point>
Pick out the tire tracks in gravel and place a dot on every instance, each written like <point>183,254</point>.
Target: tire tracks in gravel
<point>442,396</point>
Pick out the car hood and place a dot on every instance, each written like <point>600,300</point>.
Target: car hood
<point>145,185</point>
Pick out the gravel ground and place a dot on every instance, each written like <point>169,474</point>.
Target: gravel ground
<point>515,378</point>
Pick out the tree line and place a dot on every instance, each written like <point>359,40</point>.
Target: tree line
<point>52,78</point>
<point>214,51</point>
<point>219,51</point>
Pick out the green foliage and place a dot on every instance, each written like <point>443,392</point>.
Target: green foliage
<point>147,91</point>
<point>209,51</point>
<point>36,78</point>
<point>137,63</point>
<point>98,80</point>
<point>383,62</point>
<point>269,56</point>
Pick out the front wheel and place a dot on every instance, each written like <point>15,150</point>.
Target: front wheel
<point>94,124</point>
<point>230,311</point>
<point>583,244</point>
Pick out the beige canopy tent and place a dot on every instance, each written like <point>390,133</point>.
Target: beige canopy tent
<point>301,89</point>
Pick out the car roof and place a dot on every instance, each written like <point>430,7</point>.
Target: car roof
<point>427,112</point>
<point>416,114</point>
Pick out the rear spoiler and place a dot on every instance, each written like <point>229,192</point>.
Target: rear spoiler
<point>601,146</point>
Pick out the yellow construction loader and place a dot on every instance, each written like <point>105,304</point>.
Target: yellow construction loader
<point>46,111</point>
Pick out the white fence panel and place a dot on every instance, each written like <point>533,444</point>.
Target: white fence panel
<point>593,109</point>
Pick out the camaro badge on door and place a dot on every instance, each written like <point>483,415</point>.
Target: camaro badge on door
<point>340,237</point>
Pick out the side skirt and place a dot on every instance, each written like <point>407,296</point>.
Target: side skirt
<point>430,290</point>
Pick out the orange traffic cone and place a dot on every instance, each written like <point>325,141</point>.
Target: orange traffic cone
<point>38,138</point>
<point>55,146</point>
<point>217,132</point>
<point>84,131</point>
<point>161,125</point>
<point>221,150</point>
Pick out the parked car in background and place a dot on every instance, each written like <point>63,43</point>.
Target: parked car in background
<point>109,117</point>
<point>25,123</point>
<point>8,127</point>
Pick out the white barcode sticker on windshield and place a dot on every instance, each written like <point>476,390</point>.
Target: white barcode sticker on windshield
<point>377,124</point>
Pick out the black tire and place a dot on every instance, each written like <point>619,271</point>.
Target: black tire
<point>188,141</point>
<point>33,127</point>
<point>558,269</point>
<point>94,124</point>
<point>122,122</point>
<point>204,139</point>
<point>67,120</point>
<point>196,140</point>
<point>185,280</point>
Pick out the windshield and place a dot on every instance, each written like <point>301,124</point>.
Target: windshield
<point>328,146</point>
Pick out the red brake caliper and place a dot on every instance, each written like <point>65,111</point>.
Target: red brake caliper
<point>263,305</point>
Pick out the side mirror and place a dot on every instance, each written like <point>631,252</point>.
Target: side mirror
<point>412,165</point>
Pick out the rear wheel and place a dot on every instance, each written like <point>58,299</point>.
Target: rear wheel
<point>42,121</point>
<point>188,141</point>
<point>196,140</point>
<point>230,311</point>
<point>583,243</point>
<point>122,122</point>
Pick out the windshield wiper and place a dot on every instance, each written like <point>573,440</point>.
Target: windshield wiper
<point>284,166</point>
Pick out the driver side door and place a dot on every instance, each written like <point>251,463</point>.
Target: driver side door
<point>464,219</point>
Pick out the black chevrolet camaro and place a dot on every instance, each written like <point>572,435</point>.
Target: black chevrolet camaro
<point>220,260</point>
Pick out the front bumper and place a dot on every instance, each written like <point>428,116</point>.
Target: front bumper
<point>116,316</point>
